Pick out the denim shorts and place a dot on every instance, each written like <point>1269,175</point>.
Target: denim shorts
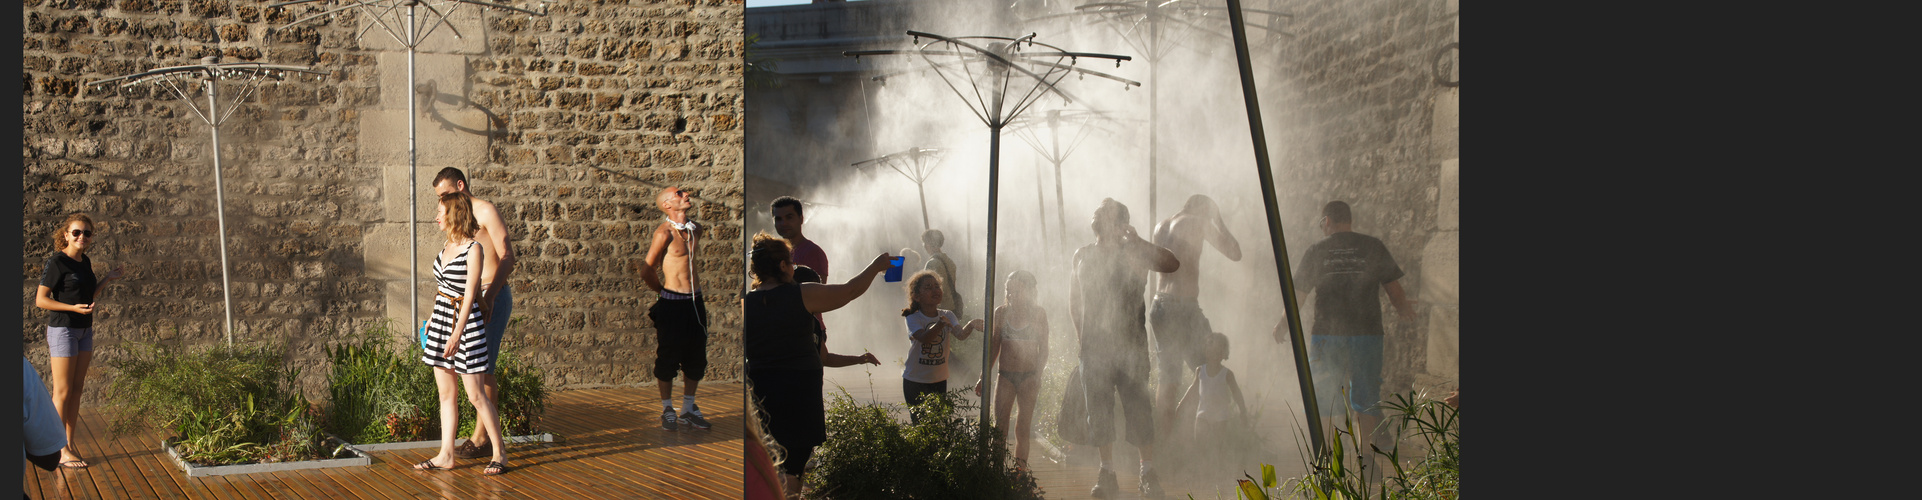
<point>66,342</point>
<point>1351,362</point>
<point>503,311</point>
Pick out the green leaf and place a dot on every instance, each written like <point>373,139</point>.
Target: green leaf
<point>1249,490</point>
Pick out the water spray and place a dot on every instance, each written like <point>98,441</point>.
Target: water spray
<point>206,76</point>
<point>990,72</point>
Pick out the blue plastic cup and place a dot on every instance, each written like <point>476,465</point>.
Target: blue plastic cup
<point>894,271</point>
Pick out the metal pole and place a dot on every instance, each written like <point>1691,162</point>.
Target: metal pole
<point>1060,207</point>
<point>1040,204</point>
<point>1154,106</point>
<point>413,238</point>
<point>987,311</point>
<point>924,205</point>
<point>220,205</point>
<point>1297,340</point>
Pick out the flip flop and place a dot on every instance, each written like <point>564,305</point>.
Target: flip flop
<point>468,450</point>
<point>495,469</point>
<point>71,464</point>
<point>429,465</point>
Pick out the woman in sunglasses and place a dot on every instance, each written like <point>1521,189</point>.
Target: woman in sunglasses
<point>68,289</point>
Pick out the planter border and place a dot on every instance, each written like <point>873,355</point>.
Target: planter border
<point>360,459</point>
<point>545,437</point>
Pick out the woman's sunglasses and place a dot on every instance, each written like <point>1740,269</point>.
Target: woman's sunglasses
<point>83,232</point>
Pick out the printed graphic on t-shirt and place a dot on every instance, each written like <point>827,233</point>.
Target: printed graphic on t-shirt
<point>1345,261</point>
<point>934,353</point>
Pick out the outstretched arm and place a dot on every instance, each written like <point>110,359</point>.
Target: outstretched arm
<point>832,360</point>
<point>821,298</point>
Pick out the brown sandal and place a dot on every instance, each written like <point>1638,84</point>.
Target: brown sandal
<point>468,450</point>
<point>494,469</point>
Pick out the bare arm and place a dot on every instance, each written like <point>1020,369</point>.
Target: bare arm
<point>832,360</point>
<point>1189,398</point>
<point>968,330</point>
<point>496,230</point>
<point>821,298</point>
<point>994,346</point>
<point>1400,300</point>
<point>44,300</point>
<point>656,251</point>
<point>1223,240</point>
<point>1235,389</point>
<point>1159,259</point>
<point>931,333</point>
<point>1074,295</point>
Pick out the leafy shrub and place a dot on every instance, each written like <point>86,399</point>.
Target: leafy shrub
<point>381,395</point>
<point>870,454</point>
<point>1347,472</point>
<point>224,404</point>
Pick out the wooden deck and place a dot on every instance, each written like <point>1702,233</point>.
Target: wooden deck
<point>610,446</point>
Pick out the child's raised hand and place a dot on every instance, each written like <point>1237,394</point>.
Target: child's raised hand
<point>974,325</point>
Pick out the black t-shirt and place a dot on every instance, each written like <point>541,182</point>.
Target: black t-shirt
<point>1113,316</point>
<point>71,282</point>
<point>779,333</point>
<point>1345,271</point>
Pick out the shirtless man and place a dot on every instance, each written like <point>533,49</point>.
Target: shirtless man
<point>500,263</point>
<point>1179,325</point>
<point>1105,304</point>
<point>680,316</point>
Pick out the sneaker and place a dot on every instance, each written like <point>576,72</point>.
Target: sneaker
<point>1150,485</point>
<point>694,419</point>
<point>1106,486</point>
<point>668,421</point>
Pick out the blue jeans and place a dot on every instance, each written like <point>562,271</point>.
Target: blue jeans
<point>1346,361</point>
<point>503,310</point>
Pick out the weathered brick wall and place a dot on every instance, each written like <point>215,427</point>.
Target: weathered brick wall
<point>577,119</point>
<point>1354,100</point>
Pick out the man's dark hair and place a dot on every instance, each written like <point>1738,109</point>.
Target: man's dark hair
<point>1337,212</point>
<point>1114,210</point>
<point>805,274</point>
<point>787,201</point>
<point>449,174</point>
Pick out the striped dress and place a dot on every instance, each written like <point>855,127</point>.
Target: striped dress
<point>471,355</point>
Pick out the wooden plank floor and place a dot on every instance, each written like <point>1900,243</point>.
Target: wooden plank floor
<point>1070,474</point>
<point>611,446</point>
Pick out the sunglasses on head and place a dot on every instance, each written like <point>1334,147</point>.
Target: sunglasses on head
<point>83,232</point>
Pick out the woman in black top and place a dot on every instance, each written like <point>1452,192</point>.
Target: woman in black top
<point>68,289</point>
<point>785,357</point>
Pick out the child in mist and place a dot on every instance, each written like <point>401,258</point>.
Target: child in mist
<point>1019,344</point>
<point>928,329</point>
<point>1221,417</point>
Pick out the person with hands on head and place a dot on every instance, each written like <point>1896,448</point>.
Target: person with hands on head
<point>1180,327</point>
<point>928,328</point>
<point>70,292</point>
<point>456,345</point>
<point>1110,322</point>
<point>784,354</point>
<point>1019,345</point>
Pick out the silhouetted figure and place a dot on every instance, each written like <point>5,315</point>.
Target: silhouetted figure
<point>1180,328</point>
<point>1345,345</point>
<point>1111,323</point>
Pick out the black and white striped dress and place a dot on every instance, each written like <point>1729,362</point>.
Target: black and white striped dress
<point>471,355</point>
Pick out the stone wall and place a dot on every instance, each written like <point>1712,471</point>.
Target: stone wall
<point>1357,115</point>
<point>571,123</point>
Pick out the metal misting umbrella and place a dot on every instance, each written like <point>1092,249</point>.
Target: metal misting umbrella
<point>1044,134</point>
<point>1154,28</point>
<point>990,67</point>
<point>185,81</point>
<point>400,19</point>
<point>916,164</point>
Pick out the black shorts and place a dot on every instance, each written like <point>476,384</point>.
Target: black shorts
<point>682,340</point>
<point>1123,377</point>
<point>791,407</point>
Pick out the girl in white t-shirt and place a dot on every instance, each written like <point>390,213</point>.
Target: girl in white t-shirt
<point>928,329</point>
<point>1221,417</point>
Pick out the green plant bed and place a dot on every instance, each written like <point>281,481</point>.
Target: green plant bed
<point>342,455</point>
<point>223,404</point>
<point>1348,470</point>
<point>383,394</point>
<point>870,454</point>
